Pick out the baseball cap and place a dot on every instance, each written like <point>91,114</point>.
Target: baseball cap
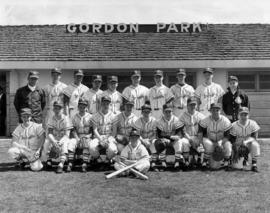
<point>192,100</point>
<point>112,78</point>
<point>56,70</point>
<point>167,107</point>
<point>96,78</point>
<point>127,102</point>
<point>58,104</point>
<point>243,110</point>
<point>83,101</point>
<point>215,105</point>
<point>209,70</point>
<point>159,72</point>
<point>106,98</point>
<point>146,107</point>
<point>78,72</point>
<point>181,71</point>
<point>26,111</point>
<point>134,132</point>
<point>233,78</point>
<point>136,73</point>
<point>33,74</point>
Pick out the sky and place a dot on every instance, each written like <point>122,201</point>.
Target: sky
<point>22,12</point>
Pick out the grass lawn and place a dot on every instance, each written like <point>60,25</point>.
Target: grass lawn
<point>195,191</point>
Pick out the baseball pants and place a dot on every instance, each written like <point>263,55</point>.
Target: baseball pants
<point>210,145</point>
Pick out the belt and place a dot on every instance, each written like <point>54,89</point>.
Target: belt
<point>156,109</point>
<point>178,107</point>
<point>138,108</point>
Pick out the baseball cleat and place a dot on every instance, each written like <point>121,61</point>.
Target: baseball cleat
<point>254,168</point>
<point>59,170</point>
<point>84,168</point>
<point>69,168</point>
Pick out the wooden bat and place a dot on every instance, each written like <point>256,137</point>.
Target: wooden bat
<point>142,176</point>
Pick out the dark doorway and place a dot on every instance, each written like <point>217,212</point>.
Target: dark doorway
<point>3,104</point>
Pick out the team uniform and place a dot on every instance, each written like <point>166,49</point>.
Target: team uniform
<point>158,96</point>
<point>92,97</point>
<point>74,93</point>
<point>116,100</point>
<point>208,94</point>
<point>181,94</point>
<point>138,95</point>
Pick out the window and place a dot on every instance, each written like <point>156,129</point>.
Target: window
<point>264,81</point>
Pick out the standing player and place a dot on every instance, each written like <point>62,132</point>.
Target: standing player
<point>92,95</point>
<point>54,92</point>
<point>245,132</point>
<point>233,99</point>
<point>136,92</point>
<point>214,131</point>
<point>208,92</point>
<point>115,96</point>
<point>82,133</point>
<point>170,131</point>
<point>159,95</point>
<point>124,124</point>
<point>103,122</point>
<point>27,141</point>
<point>181,91</point>
<point>73,93</point>
<point>191,119</point>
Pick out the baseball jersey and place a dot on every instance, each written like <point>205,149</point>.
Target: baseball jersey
<point>92,97</point>
<point>59,127</point>
<point>104,123</point>
<point>137,94</point>
<point>208,94</point>
<point>54,92</point>
<point>169,128</point>
<point>116,100</point>
<point>216,129</point>
<point>181,94</point>
<point>242,132</point>
<point>125,124</point>
<point>28,136</point>
<point>146,129</point>
<point>191,122</point>
<point>74,93</point>
<point>82,123</point>
<point>136,153</point>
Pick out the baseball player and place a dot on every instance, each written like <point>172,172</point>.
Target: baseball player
<point>27,141</point>
<point>124,124</point>
<point>92,95</point>
<point>191,119</point>
<point>171,131</point>
<point>147,127</point>
<point>159,95</point>
<point>82,134</point>
<point>103,122</point>
<point>73,92</point>
<point>53,92</point>
<point>181,91</point>
<point>233,99</point>
<point>59,127</point>
<point>115,96</point>
<point>214,131</point>
<point>134,152</point>
<point>208,92</point>
<point>136,92</point>
<point>245,132</point>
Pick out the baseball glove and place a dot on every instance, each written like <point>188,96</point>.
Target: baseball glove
<point>160,145</point>
<point>218,153</point>
<point>122,140</point>
<point>239,151</point>
<point>55,151</point>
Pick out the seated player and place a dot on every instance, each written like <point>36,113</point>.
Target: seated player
<point>59,127</point>
<point>191,118</point>
<point>214,131</point>
<point>103,122</point>
<point>170,131</point>
<point>134,152</point>
<point>82,133</point>
<point>244,132</point>
<point>123,126</point>
<point>147,127</point>
<point>27,141</point>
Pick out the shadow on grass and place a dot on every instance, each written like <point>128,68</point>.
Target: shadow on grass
<point>10,166</point>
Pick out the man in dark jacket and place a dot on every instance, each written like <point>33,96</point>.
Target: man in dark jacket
<point>3,113</point>
<point>233,99</point>
<point>31,96</point>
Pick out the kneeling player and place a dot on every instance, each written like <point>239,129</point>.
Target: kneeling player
<point>82,136</point>
<point>59,127</point>
<point>170,131</point>
<point>27,142</point>
<point>214,131</point>
<point>244,132</point>
<point>134,152</point>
